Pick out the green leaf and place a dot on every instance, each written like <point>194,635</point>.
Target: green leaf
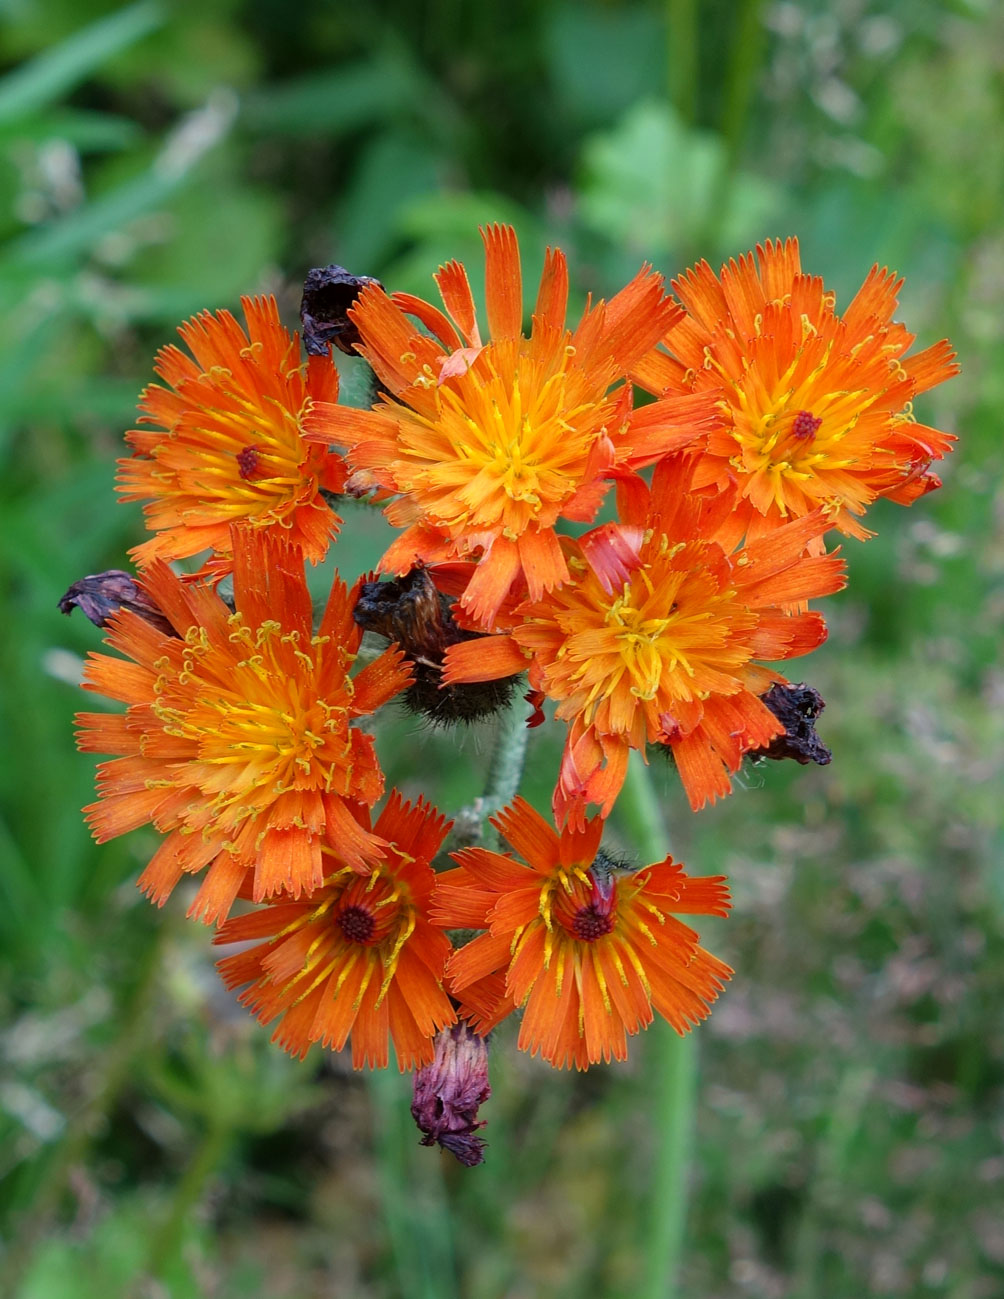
<point>54,73</point>
<point>87,131</point>
<point>395,170</point>
<point>339,99</point>
<point>653,186</point>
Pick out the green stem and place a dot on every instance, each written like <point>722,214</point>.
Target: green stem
<point>640,811</point>
<point>673,1069</point>
<point>681,38</point>
<point>506,767</point>
<point>135,1021</point>
<point>167,1241</point>
<point>826,1186</point>
<point>738,89</point>
<point>745,55</point>
<point>412,1193</point>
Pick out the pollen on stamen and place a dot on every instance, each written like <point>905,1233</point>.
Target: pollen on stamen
<point>804,425</point>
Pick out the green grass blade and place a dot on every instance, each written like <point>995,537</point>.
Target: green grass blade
<point>50,75</point>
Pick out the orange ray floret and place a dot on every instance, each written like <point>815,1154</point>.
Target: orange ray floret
<point>228,447</point>
<point>816,406</point>
<point>488,444</point>
<point>238,741</point>
<point>587,948</point>
<point>654,642</point>
<point>357,956</point>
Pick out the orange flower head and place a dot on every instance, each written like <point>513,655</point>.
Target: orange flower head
<point>588,949</point>
<point>237,741</point>
<point>488,444</point>
<point>228,447</point>
<point>654,642</point>
<point>817,406</point>
<point>356,956</point>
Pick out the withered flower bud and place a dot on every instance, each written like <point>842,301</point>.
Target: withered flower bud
<point>449,1091</point>
<point>412,612</point>
<point>796,707</point>
<point>100,595</point>
<point>328,293</point>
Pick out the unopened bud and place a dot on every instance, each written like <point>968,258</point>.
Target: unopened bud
<point>412,612</point>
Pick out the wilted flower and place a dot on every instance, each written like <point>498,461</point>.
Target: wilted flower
<point>99,595</point>
<point>412,612</point>
<point>449,1092</point>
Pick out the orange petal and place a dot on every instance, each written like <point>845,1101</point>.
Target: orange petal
<point>536,841</point>
<point>431,317</point>
<point>459,301</point>
<point>503,282</point>
<point>486,659</point>
<point>492,579</point>
<point>552,297</point>
<point>542,561</point>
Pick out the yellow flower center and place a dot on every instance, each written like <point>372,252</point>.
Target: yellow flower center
<point>260,731</point>
<point>676,632</point>
<point>643,644</point>
<point>243,462</point>
<point>797,435</point>
<point>508,445</point>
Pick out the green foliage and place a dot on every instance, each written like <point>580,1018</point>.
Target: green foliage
<point>658,189</point>
<point>160,159</point>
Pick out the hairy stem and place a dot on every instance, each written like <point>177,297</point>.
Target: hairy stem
<point>506,767</point>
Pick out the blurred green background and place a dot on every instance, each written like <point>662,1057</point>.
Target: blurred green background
<point>157,159</point>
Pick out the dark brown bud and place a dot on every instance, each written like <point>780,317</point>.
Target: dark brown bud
<point>796,707</point>
<point>102,594</point>
<point>449,1091</point>
<point>328,293</point>
<point>412,612</point>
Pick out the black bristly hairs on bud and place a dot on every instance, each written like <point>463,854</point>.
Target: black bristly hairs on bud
<point>411,611</point>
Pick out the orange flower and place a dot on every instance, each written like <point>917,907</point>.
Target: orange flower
<point>586,948</point>
<point>817,406</point>
<point>358,955</point>
<point>488,445</point>
<point>229,447</point>
<point>653,642</point>
<point>237,741</point>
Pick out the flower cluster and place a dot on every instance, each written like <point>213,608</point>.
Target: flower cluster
<point>724,427</point>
